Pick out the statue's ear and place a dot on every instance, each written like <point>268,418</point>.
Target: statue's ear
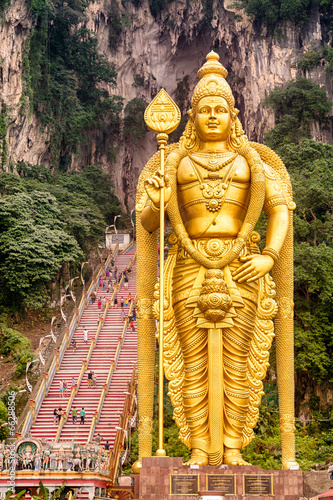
<point>236,111</point>
<point>190,113</point>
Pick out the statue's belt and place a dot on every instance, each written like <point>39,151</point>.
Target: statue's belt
<point>216,307</point>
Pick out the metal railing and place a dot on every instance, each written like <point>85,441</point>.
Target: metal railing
<point>36,404</point>
<point>115,454</point>
<point>86,361</point>
<point>129,246</point>
<point>113,366</point>
<point>107,384</point>
<point>84,367</point>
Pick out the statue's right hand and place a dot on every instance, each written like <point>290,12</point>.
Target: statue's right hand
<point>153,186</point>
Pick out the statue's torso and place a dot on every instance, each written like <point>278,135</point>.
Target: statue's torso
<point>209,208</point>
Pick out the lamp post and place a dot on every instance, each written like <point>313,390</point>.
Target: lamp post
<point>106,243</point>
<point>132,222</point>
<point>114,223</point>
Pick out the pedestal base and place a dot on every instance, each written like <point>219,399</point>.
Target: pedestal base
<point>162,477</point>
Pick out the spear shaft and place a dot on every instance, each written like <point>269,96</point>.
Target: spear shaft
<point>162,116</point>
<point>162,140</point>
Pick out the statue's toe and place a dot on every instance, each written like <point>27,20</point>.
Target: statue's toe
<point>198,457</point>
<point>234,457</point>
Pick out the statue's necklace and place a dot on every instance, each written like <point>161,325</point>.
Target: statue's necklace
<point>214,188</point>
<point>214,163</point>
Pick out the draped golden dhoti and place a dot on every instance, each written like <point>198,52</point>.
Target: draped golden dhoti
<point>194,345</point>
<point>216,369</point>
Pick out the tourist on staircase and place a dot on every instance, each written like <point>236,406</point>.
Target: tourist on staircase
<point>74,415</point>
<point>73,344</point>
<point>102,356</point>
<point>85,335</point>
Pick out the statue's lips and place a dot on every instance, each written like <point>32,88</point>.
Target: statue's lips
<point>212,125</point>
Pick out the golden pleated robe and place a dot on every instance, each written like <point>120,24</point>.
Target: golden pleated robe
<point>240,350</point>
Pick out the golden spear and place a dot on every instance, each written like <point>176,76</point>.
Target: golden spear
<point>162,116</point>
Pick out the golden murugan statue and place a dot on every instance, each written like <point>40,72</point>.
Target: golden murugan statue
<point>219,298</point>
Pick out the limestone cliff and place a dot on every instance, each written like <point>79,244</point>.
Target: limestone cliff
<point>160,53</point>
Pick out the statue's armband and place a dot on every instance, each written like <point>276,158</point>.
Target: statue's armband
<point>274,194</point>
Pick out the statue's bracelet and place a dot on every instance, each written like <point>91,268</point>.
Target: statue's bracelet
<point>155,208</point>
<point>271,252</point>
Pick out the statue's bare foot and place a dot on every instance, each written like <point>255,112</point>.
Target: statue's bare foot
<point>198,457</point>
<point>232,456</point>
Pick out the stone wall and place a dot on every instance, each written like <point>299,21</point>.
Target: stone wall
<point>161,52</point>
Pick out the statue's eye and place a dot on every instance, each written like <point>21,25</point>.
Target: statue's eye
<point>221,109</point>
<point>203,110</point>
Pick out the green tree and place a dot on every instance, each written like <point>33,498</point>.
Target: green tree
<point>47,221</point>
<point>44,493</point>
<point>33,247</point>
<point>271,13</point>
<point>3,420</point>
<point>295,105</point>
<point>310,165</point>
<point>15,497</point>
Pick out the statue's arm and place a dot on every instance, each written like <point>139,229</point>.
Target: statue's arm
<point>277,227</point>
<point>276,209</point>
<point>255,266</point>
<point>150,216</point>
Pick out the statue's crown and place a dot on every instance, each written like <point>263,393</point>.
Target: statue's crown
<point>212,81</point>
<point>212,66</point>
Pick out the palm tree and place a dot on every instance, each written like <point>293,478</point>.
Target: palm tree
<point>16,497</point>
<point>44,493</point>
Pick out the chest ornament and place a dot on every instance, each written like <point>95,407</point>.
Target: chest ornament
<point>213,162</point>
<point>213,186</point>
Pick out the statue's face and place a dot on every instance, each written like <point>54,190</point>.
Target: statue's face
<point>212,119</point>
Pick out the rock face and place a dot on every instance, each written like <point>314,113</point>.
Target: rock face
<point>160,53</point>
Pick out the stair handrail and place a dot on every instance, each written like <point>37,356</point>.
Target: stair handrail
<point>58,356</point>
<point>115,453</point>
<point>86,361</point>
<point>113,367</point>
<point>84,368</point>
<point>128,247</point>
<point>106,386</point>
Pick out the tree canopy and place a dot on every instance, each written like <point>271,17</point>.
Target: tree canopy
<point>47,222</point>
<point>63,75</point>
<point>310,165</point>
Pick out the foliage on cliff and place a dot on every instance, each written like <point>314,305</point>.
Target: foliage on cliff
<point>46,222</point>
<point>134,124</point>
<point>296,105</point>
<point>310,165</point>
<point>271,13</point>
<point>63,75</point>
<point>15,347</point>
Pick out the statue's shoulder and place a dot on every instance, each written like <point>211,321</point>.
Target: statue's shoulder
<point>185,171</point>
<point>242,168</point>
<point>241,160</point>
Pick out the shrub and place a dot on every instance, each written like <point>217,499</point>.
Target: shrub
<point>12,342</point>
<point>22,363</point>
<point>134,124</point>
<point>271,13</point>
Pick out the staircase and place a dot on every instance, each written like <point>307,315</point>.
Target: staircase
<point>101,357</point>
<point>115,398</point>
